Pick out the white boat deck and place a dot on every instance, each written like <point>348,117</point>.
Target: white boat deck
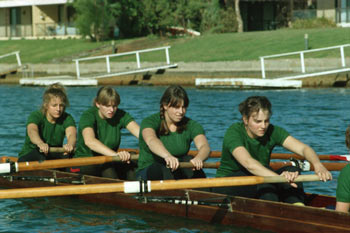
<point>246,83</point>
<point>64,80</point>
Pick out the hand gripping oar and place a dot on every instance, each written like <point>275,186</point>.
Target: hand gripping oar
<point>147,186</point>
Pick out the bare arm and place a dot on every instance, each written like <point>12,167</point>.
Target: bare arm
<point>33,133</point>
<point>133,128</point>
<point>157,147</point>
<point>302,149</point>
<point>203,148</point>
<point>71,134</point>
<point>256,168</point>
<point>342,206</point>
<point>252,165</point>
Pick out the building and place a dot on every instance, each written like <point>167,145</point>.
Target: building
<point>54,18</point>
<point>274,14</point>
<point>36,19</point>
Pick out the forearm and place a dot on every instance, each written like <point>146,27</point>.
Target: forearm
<point>203,152</point>
<point>258,169</point>
<point>71,140</point>
<point>311,156</point>
<point>35,138</point>
<point>158,148</point>
<point>98,147</point>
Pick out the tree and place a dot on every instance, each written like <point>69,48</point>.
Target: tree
<point>93,18</point>
<point>238,17</point>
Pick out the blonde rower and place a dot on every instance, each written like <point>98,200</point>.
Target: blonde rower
<point>48,127</point>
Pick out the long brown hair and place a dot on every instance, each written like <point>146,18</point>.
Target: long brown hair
<point>54,90</point>
<point>347,137</point>
<point>254,104</point>
<point>105,95</point>
<point>172,97</point>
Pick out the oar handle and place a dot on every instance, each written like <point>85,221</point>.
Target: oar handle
<point>282,179</point>
<point>56,150</point>
<point>205,165</point>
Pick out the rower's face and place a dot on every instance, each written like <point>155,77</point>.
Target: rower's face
<point>107,111</point>
<point>175,113</point>
<point>54,108</point>
<point>257,124</point>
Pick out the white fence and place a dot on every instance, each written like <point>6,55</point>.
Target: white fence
<point>11,54</point>
<point>138,67</point>
<point>302,62</point>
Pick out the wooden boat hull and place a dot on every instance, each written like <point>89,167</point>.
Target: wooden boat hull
<point>258,214</point>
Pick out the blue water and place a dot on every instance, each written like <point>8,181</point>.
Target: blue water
<point>317,117</point>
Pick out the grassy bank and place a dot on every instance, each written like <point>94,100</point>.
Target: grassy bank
<point>206,48</point>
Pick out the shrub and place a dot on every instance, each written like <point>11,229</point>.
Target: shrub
<point>313,23</point>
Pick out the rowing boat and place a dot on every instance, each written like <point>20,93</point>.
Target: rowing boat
<point>201,205</point>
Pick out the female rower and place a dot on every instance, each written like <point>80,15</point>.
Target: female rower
<point>247,148</point>
<point>165,140</point>
<point>48,127</point>
<point>100,134</point>
<point>343,185</point>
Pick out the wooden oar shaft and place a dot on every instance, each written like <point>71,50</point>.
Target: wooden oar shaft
<point>61,163</point>
<point>217,154</point>
<point>329,166</point>
<point>131,187</point>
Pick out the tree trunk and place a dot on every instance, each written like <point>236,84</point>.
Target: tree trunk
<point>238,17</point>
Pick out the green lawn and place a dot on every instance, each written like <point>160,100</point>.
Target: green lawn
<point>206,48</point>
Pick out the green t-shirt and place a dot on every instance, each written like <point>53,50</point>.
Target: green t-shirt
<point>52,134</point>
<point>260,148</point>
<point>343,186</point>
<point>107,131</point>
<point>178,144</point>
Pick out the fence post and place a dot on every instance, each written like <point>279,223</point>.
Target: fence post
<point>342,56</point>
<point>302,62</point>
<point>18,59</point>
<point>108,66</point>
<point>262,67</point>
<point>167,55</point>
<point>138,60</point>
<point>77,68</point>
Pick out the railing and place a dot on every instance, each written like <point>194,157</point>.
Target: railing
<point>138,61</point>
<point>20,30</point>
<point>13,53</point>
<point>302,60</point>
<point>42,29</point>
<point>54,29</point>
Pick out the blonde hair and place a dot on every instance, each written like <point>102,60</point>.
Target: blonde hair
<point>54,90</point>
<point>105,95</point>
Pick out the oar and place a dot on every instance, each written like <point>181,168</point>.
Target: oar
<point>58,163</point>
<point>75,162</point>
<point>304,165</point>
<point>147,186</point>
<point>217,154</point>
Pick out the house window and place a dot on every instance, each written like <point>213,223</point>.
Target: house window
<point>344,11</point>
<point>15,21</point>
<point>70,15</point>
<point>15,15</point>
